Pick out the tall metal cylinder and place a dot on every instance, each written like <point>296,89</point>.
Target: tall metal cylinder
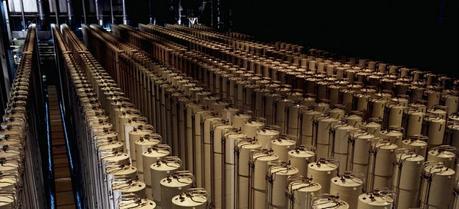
<point>436,177</point>
<point>265,135</point>
<point>300,157</point>
<point>408,169</point>
<point>321,172</point>
<point>251,128</point>
<point>245,149</point>
<point>281,146</point>
<point>173,185</point>
<point>141,145</point>
<point>383,160</point>
<point>444,154</point>
<point>348,188</point>
<point>323,138</point>
<point>301,193</point>
<point>150,156</point>
<point>195,198</point>
<point>375,200</point>
<point>278,176</point>
<point>160,170</point>
<point>329,202</point>
<point>258,191</point>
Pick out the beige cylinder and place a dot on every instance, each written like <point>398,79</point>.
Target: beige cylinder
<point>414,123</point>
<point>329,202</point>
<point>393,136</point>
<point>323,138</point>
<point>126,188</point>
<point>437,186</point>
<point>239,120</point>
<point>278,176</point>
<point>293,122</point>
<point>451,103</point>
<point>453,129</point>
<point>341,137</point>
<point>337,113</point>
<point>231,141</point>
<point>142,204</point>
<point>141,145</point>
<point>322,172</point>
<point>307,123</point>
<point>281,146</point>
<point>302,193</point>
<point>377,107</point>
<point>322,107</point>
<point>437,113</point>
<point>136,134</point>
<point>7,201</point>
<point>244,149</point>
<point>395,116</point>
<point>433,98</point>
<point>416,144</point>
<point>265,136</point>
<point>149,157</point>
<point>173,185</point>
<point>354,120</point>
<point>251,128</point>
<point>372,128</point>
<point>210,132</point>
<point>123,172</point>
<point>408,169</point>
<point>435,131</point>
<point>361,153</point>
<point>260,161</point>
<point>299,158</point>
<point>348,188</point>
<point>444,154</point>
<point>375,200</point>
<point>159,170</point>
<point>383,165</point>
<point>228,114</point>
<point>128,128</point>
<point>191,199</point>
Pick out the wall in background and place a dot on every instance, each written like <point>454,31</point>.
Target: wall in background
<point>420,34</point>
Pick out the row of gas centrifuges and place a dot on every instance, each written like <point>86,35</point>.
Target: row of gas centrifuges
<point>398,158</point>
<point>20,164</point>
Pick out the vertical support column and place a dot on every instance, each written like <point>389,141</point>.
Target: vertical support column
<point>69,11</point>
<point>24,26</point>
<point>98,15</point>
<point>124,12</point>
<point>6,15</point>
<point>112,12</point>
<point>56,10</point>
<point>43,13</point>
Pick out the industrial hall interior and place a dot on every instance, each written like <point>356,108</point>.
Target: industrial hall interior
<point>229,104</point>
